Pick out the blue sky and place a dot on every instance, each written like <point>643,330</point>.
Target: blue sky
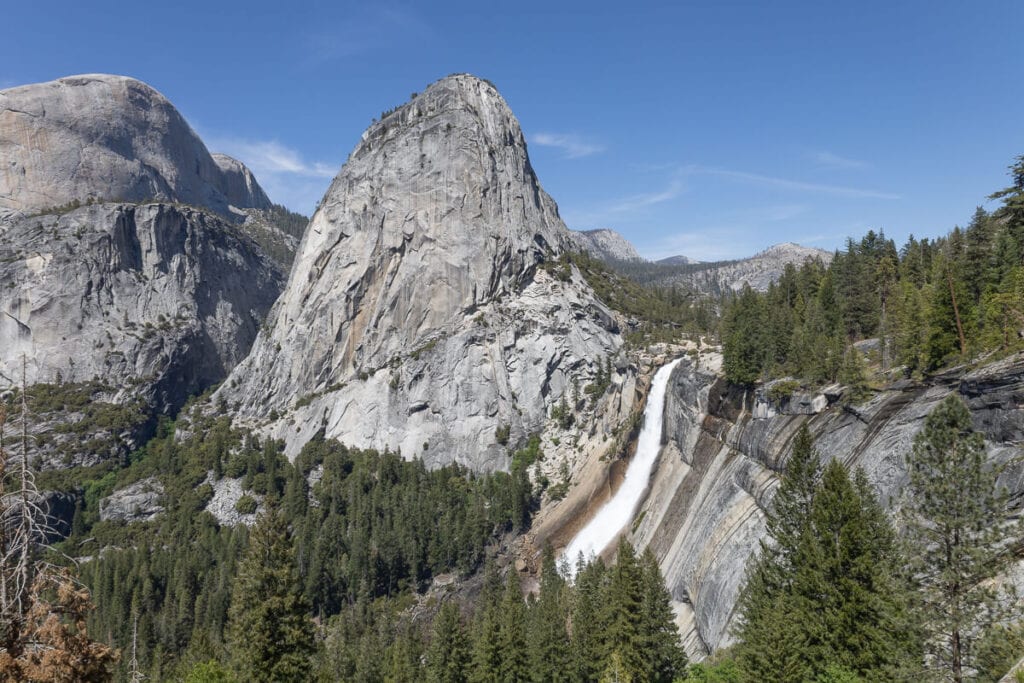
<point>711,129</point>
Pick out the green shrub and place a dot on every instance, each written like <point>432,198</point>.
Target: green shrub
<point>502,433</point>
<point>782,391</point>
<point>246,505</point>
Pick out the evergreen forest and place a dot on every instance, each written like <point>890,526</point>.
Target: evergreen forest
<point>928,305</point>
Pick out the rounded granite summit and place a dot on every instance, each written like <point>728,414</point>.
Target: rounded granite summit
<point>101,137</point>
<point>434,236</point>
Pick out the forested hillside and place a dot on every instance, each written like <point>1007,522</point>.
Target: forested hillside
<point>929,304</point>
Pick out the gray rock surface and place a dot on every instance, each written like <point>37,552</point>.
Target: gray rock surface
<point>605,244</point>
<point>160,295</point>
<point>109,138</point>
<point>704,514</point>
<point>138,502</point>
<point>223,504</point>
<point>239,184</point>
<point>419,315</point>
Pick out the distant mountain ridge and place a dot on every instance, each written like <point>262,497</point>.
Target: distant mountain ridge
<point>605,244</point>
<point>758,271</point>
<point>678,260</point>
<point>712,277</point>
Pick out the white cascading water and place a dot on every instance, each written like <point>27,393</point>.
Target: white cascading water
<point>618,512</point>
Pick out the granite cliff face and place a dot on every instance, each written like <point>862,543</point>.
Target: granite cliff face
<point>121,255</point>
<point>161,294</point>
<point>704,514</point>
<point>420,313</point>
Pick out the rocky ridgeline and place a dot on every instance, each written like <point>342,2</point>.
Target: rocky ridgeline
<point>712,277</point>
<point>758,271</point>
<point>420,314</point>
<point>704,515</point>
<point>605,244</point>
<point>124,255</point>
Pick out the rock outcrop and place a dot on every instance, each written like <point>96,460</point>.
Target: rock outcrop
<point>420,314</point>
<point>704,514</point>
<point>239,184</point>
<point>109,138</point>
<point>122,257</point>
<point>605,244</point>
<point>138,502</point>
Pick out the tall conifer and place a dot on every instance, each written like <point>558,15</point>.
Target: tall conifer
<point>270,630</point>
<point>958,524</point>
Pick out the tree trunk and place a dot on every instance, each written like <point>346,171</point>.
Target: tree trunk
<point>956,312</point>
<point>958,675</point>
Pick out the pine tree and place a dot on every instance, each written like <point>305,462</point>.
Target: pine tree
<point>404,657</point>
<point>909,328</point>
<point>270,630</point>
<point>448,654</point>
<point>765,614</point>
<point>853,374</point>
<point>1012,210</point>
<point>823,591</point>
<point>949,313</point>
<point>487,655</point>
<point>548,638</point>
<point>588,628</point>
<point>622,603</point>
<point>957,522</point>
<point>515,665</point>
<point>861,603</point>
<point>664,658</point>
<point>744,338</point>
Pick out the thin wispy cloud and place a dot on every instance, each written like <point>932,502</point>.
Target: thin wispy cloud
<point>270,156</point>
<point>780,212</point>
<point>831,160</point>
<point>614,210</point>
<point>286,176</point>
<point>795,185</point>
<point>572,146</point>
<point>638,201</point>
<point>366,29</point>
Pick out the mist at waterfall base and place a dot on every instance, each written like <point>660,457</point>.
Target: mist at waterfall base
<point>618,512</point>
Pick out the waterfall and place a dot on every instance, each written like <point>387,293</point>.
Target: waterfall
<point>618,512</point>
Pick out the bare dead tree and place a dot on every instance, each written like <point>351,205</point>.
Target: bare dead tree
<point>135,674</point>
<point>23,531</point>
<point>43,608</point>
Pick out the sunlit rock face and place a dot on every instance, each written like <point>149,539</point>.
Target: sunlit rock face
<point>121,255</point>
<point>419,314</point>
<point>705,513</point>
<point>109,138</point>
